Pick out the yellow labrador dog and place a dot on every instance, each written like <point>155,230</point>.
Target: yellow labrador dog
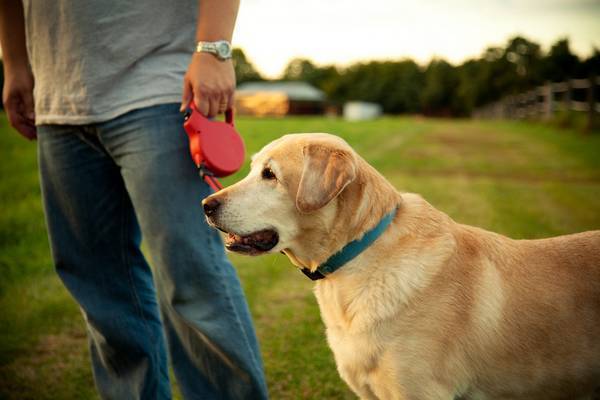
<point>417,306</point>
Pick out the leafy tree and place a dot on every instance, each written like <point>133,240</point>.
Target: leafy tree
<point>301,69</point>
<point>441,83</point>
<point>471,90</point>
<point>244,70</point>
<point>403,84</point>
<point>526,62</point>
<point>560,63</point>
<point>499,72</point>
<point>591,66</point>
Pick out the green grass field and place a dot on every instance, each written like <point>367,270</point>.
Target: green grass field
<point>522,179</point>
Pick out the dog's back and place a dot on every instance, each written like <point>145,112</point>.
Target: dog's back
<point>535,319</point>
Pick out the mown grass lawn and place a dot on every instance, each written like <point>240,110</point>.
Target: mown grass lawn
<point>524,180</point>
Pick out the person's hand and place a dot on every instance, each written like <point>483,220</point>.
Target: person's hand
<point>18,101</point>
<point>210,82</point>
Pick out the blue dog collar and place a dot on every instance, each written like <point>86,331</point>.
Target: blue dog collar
<point>351,250</point>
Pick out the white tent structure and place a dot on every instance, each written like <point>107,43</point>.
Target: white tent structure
<point>361,110</point>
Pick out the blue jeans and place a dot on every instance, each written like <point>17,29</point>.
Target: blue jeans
<point>105,186</point>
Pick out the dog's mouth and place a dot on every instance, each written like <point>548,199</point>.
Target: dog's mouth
<point>252,244</point>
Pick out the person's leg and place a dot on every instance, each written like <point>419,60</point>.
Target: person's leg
<point>211,338</point>
<point>95,239</point>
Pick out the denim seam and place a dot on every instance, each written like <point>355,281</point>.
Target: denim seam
<point>83,138</point>
<point>136,299</point>
<point>257,369</point>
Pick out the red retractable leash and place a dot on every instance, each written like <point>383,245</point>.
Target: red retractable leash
<point>216,147</point>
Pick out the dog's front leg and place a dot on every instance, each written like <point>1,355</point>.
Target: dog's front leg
<point>374,386</point>
<point>425,390</point>
<point>357,383</point>
<point>365,393</point>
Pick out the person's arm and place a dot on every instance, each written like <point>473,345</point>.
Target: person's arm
<point>210,82</point>
<point>17,94</point>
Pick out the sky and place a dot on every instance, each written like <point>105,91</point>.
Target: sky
<point>272,32</point>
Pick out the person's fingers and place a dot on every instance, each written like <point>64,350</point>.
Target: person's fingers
<point>214,107</point>
<point>223,103</point>
<point>28,106</point>
<point>28,116</point>
<point>15,113</point>
<point>186,96</point>
<point>26,129</point>
<point>231,100</point>
<point>11,112</point>
<point>202,103</point>
<point>23,125</point>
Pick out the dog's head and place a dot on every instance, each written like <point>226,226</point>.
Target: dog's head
<point>288,198</point>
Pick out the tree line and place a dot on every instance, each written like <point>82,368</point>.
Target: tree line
<point>439,88</point>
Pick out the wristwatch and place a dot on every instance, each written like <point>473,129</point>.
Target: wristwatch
<point>221,49</point>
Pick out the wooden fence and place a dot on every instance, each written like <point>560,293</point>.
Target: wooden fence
<point>544,101</point>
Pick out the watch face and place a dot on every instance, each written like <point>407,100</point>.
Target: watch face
<point>224,49</point>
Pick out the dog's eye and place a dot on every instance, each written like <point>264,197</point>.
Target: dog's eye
<point>267,173</point>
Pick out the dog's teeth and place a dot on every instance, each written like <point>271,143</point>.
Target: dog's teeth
<point>233,238</point>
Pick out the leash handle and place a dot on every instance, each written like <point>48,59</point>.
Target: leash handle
<point>216,148</point>
<point>194,135</point>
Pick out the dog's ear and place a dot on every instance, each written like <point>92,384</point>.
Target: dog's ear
<point>326,172</point>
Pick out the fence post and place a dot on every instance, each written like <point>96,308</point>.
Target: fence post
<point>568,96</point>
<point>591,94</point>
<point>548,100</point>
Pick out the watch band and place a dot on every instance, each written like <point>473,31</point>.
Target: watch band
<point>221,48</point>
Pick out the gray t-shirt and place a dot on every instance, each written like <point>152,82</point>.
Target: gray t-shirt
<point>94,60</point>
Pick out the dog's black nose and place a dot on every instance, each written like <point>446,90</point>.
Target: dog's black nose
<point>211,206</point>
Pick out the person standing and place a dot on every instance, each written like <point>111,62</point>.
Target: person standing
<point>99,84</point>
